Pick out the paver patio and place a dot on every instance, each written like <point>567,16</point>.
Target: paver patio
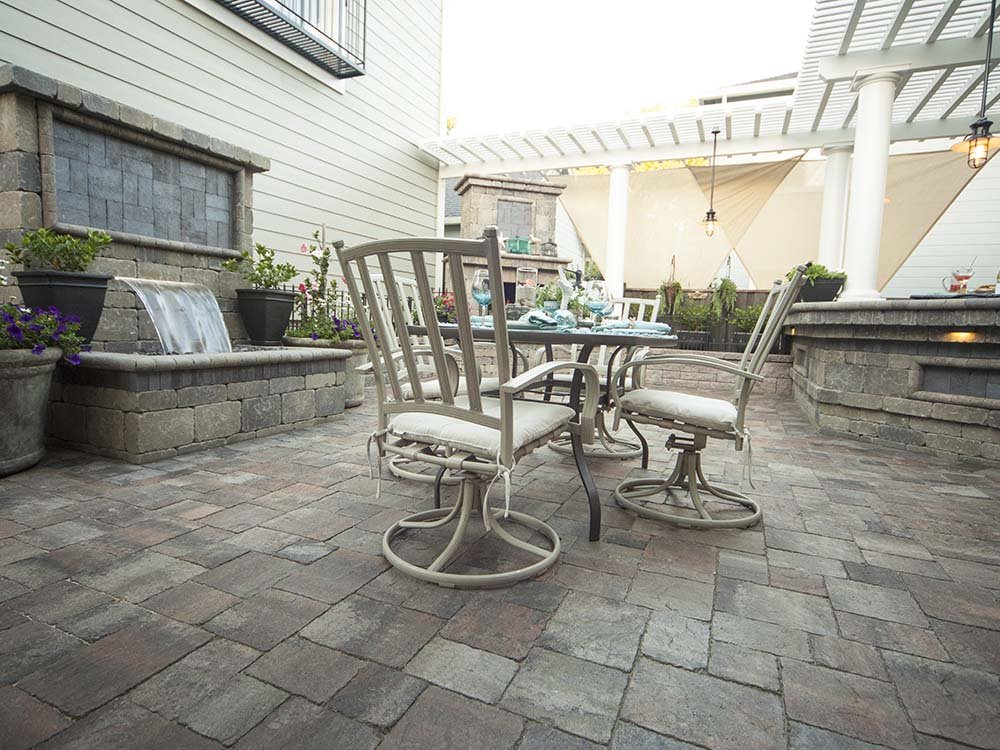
<point>238,597</point>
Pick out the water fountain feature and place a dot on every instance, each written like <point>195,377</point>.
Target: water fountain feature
<point>186,316</point>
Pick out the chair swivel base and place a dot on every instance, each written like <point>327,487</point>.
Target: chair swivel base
<point>686,482</point>
<point>405,468</point>
<point>607,445</point>
<point>460,514</point>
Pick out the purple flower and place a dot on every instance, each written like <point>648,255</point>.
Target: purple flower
<point>38,348</point>
<point>15,333</point>
<point>7,317</point>
<point>73,359</point>
<point>314,335</point>
<point>54,310</point>
<point>72,318</point>
<point>85,348</point>
<point>27,318</point>
<point>36,328</point>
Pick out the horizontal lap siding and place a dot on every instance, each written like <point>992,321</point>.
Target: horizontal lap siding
<point>349,160</point>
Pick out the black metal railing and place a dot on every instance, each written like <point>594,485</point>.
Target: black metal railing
<point>330,33</point>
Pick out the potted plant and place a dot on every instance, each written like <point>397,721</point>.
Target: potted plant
<point>723,297</point>
<point>744,319</point>
<point>823,285</point>
<point>671,298</point>
<point>54,274</point>
<point>265,309</point>
<point>695,320</point>
<point>444,306</point>
<point>31,343</point>
<point>549,297</point>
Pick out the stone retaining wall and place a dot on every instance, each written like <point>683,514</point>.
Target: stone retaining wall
<point>898,373</point>
<point>144,408</point>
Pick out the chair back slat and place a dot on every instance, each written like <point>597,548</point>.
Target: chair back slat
<point>378,313</point>
<point>465,339</point>
<point>401,317</point>
<point>497,307</point>
<point>765,314</point>
<point>423,303</point>
<point>643,303</point>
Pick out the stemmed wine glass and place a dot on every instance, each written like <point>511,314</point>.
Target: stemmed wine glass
<point>481,288</point>
<point>597,298</point>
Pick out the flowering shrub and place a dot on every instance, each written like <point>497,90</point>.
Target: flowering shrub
<point>322,327</point>
<point>60,252</point>
<point>262,273</point>
<point>444,305</point>
<point>35,329</point>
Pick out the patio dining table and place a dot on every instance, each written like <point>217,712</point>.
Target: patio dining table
<point>586,340</point>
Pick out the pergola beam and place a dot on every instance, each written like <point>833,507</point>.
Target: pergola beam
<point>923,129</point>
<point>941,22</point>
<point>902,11</point>
<point>910,58</point>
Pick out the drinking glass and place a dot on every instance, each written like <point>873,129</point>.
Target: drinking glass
<point>597,298</point>
<point>481,288</point>
<point>526,286</point>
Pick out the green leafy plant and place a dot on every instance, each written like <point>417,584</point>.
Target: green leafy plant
<point>723,297</point>
<point>262,273</point>
<point>816,271</point>
<point>591,272</point>
<point>697,317</point>
<point>59,252</point>
<point>745,318</point>
<point>671,298</point>
<point>551,292</point>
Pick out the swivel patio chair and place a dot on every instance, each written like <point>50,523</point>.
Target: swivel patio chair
<point>477,438</point>
<point>694,419</point>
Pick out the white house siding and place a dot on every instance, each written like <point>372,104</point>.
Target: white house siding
<point>348,160</point>
<point>967,233</point>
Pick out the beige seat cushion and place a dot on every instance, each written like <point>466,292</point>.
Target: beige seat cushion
<point>714,413</point>
<point>532,420</point>
<point>431,389</point>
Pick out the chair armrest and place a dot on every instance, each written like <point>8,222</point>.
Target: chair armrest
<point>696,360</point>
<point>591,391</point>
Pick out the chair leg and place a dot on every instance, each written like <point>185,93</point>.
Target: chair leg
<point>642,442</point>
<point>593,497</point>
<point>686,482</point>
<point>469,496</point>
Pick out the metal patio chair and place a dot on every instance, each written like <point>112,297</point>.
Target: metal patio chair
<point>477,438</point>
<point>692,420</point>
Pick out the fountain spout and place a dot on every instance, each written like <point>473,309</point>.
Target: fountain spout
<point>186,316</point>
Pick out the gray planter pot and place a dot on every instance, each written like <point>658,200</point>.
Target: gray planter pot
<point>265,313</point>
<point>354,385</point>
<point>25,380</point>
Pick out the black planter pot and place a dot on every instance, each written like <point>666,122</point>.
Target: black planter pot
<point>823,290</point>
<point>693,339</point>
<point>265,314</point>
<point>742,338</point>
<point>80,294</point>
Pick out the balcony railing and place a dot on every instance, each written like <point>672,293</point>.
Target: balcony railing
<point>330,33</point>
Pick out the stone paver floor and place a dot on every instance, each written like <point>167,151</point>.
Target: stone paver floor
<point>238,598</point>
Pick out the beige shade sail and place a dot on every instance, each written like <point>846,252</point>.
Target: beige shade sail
<point>786,231</point>
<point>777,221</point>
<point>919,188</point>
<point>741,190</point>
<point>665,209</point>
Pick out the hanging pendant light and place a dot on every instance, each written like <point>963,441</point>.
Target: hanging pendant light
<point>978,143</point>
<point>710,222</point>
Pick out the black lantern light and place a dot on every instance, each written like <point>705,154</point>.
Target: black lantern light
<point>978,143</point>
<point>710,222</point>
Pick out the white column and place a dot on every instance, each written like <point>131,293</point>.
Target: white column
<point>834,216</point>
<point>614,266</point>
<point>871,165</point>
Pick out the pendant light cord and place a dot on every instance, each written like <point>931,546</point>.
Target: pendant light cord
<point>989,56</point>
<point>715,143</point>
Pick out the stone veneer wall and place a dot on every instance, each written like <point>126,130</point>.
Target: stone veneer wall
<point>481,193</point>
<point>37,114</point>
<point>873,370</point>
<point>145,408</point>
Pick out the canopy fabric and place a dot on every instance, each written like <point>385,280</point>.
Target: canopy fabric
<point>919,188</point>
<point>741,190</point>
<point>770,216</point>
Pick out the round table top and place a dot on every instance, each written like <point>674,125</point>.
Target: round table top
<point>580,336</point>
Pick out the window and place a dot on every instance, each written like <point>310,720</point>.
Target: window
<point>330,33</point>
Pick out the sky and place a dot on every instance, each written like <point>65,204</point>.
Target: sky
<point>517,64</point>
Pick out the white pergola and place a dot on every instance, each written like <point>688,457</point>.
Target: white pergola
<point>874,72</point>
